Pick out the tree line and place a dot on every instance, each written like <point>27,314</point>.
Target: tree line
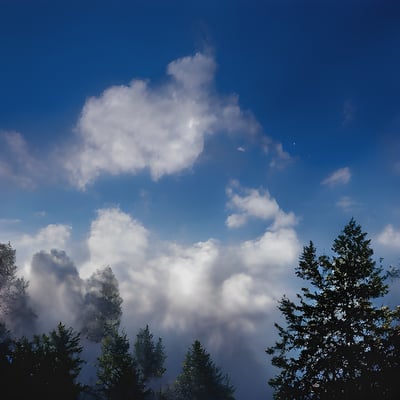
<point>48,366</point>
<point>337,340</point>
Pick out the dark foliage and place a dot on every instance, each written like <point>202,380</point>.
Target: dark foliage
<point>46,367</point>
<point>200,378</point>
<point>337,344</point>
<point>149,356</point>
<point>15,311</point>
<point>118,375</point>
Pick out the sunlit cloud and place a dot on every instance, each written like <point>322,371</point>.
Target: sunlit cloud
<point>254,203</point>
<point>206,286</point>
<point>162,129</point>
<point>53,236</point>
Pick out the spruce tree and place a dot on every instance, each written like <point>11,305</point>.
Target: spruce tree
<point>15,311</point>
<point>150,356</point>
<point>46,367</point>
<point>201,379</point>
<point>118,376</point>
<point>337,344</point>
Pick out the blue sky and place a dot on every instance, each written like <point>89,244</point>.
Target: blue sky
<point>200,145</point>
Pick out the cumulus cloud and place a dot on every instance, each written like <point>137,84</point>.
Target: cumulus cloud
<point>47,238</point>
<point>255,203</point>
<point>224,295</point>
<point>160,128</point>
<point>201,287</point>
<point>389,237</point>
<point>339,177</point>
<point>115,238</point>
<point>273,250</point>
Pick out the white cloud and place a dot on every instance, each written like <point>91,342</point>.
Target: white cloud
<point>9,221</point>
<point>236,220</point>
<point>389,237</point>
<point>47,238</point>
<point>346,203</point>
<point>159,128</point>
<point>255,203</point>
<point>115,238</point>
<point>184,288</point>
<point>339,177</point>
<point>275,249</point>
<point>282,158</point>
<point>193,72</point>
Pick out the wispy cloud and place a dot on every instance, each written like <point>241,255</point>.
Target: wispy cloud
<point>389,237</point>
<point>339,177</point>
<point>346,203</point>
<point>17,164</point>
<point>348,112</point>
<point>254,203</point>
<point>281,157</point>
<point>9,221</point>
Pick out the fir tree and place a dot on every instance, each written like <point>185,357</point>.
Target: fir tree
<point>46,367</point>
<point>336,344</point>
<point>15,311</point>
<point>118,376</point>
<point>200,378</point>
<point>150,356</point>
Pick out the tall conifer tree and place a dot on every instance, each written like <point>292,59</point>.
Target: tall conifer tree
<point>337,344</point>
<point>200,378</point>
<point>118,376</point>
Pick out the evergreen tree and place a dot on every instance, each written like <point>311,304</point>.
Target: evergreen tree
<point>337,344</point>
<point>150,356</point>
<point>65,349</point>
<point>5,359</point>
<point>200,378</point>
<point>46,367</point>
<point>15,311</point>
<point>118,377</point>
